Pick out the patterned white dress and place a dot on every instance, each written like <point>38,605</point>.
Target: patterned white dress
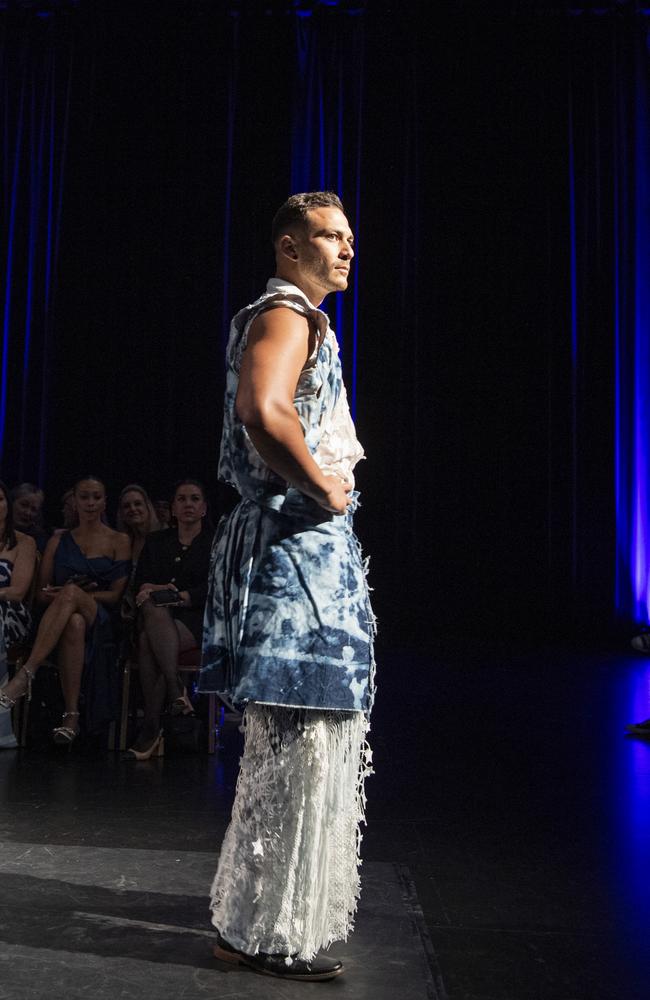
<point>15,623</point>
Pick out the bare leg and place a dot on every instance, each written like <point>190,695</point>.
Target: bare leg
<point>71,600</point>
<point>154,689</point>
<point>160,631</point>
<point>71,665</point>
<point>164,643</point>
<point>182,704</point>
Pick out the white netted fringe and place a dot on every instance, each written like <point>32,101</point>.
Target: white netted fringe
<point>288,876</point>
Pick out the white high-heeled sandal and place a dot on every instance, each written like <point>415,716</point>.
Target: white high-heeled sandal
<point>63,735</point>
<point>7,702</point>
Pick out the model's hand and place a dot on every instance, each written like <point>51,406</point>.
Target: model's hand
<point>336,497</point>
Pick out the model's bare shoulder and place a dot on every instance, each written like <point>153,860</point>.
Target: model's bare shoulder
<point>279,323</point>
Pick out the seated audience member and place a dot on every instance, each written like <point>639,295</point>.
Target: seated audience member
<point>27,508</point>
<point>163,513</point>
<point>17,566</point>
<point>82,577</point>
<point>137,518</point>
<point>175,560</point>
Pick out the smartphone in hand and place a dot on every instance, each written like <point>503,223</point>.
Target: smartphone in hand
<point>165,598</point>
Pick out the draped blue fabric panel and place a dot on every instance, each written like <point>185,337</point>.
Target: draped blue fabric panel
<point>36,75</point>
<point>609,263</point>
<point>327,142</point>
<point>632,341</point>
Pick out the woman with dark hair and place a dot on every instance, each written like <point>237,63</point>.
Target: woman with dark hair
<point>173,565</point>
<point>27,509</point>
<point>82,578</point>
<point>17,565</point>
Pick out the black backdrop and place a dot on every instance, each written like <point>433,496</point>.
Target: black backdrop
<point>466,393</point>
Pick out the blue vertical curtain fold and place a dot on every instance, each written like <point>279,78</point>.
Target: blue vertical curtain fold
<point>36,79</point>
<point>609,259</point>
<point>327,144</point>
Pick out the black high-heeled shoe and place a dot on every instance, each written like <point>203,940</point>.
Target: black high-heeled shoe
<point>181,705</point>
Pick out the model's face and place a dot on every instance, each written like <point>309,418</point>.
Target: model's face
<point>134,509</point>
<point>89,498</point>
<point>189,504</point>
<point>27,509</point>
<point>325,250</point>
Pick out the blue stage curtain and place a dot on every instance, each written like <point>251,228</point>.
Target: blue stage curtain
<point>327,142</point>
<point>632,327</point>
<point>36,76</point>
<point>609,171</point>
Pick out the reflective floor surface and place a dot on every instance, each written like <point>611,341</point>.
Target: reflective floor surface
<point>507,853</point>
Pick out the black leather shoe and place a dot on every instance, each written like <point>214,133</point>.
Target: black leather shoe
<point>281,966</point>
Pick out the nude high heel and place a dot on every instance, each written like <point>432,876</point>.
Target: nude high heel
<point>156,749</point>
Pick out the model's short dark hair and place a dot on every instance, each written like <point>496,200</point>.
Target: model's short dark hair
<point>294,211</point>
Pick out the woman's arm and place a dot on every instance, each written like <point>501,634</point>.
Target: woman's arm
<point>122,553</point>
<point>45,592</point>
<point>23,571</point>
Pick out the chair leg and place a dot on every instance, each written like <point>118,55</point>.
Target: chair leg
<point>21,735</point>
<point>212,721</point>
<point>126,692</point>
<point>20,712</point>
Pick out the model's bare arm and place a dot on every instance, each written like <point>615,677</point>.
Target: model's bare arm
<point>279,343</point>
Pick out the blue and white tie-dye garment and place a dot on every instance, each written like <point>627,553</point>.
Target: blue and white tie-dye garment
<point>288,619</point>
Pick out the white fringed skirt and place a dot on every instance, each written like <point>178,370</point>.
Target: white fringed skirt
<point>288,876</point>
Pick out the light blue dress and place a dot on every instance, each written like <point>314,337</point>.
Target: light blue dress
<point>288,620</point>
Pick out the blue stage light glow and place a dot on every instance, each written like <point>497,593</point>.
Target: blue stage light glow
<point>632,359</point>
<point>641,506</point>
<point>323,156</point>
<point>36,96</point>
<point>11,232</point>
<point>628,772</point>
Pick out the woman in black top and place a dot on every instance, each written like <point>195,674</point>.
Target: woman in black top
<point>175,560</point>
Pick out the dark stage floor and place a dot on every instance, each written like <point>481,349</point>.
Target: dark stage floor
<point>507,855</point>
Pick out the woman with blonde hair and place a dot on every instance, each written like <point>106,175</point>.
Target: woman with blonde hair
<point>136,517</point>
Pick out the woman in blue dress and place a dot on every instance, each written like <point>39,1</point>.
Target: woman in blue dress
<point>82,578</point>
